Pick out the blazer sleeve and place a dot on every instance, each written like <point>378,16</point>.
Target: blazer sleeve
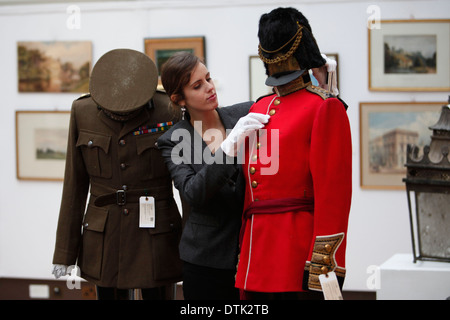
<point>196,180</point>
<point>74,196</point>
<point>331,169</point>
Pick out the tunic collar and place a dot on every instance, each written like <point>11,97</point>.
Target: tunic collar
<point>294,85</point>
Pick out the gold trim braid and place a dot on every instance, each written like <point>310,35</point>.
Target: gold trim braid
<point>292,86</point>
<point>323,260</point>
<point>297,37</point>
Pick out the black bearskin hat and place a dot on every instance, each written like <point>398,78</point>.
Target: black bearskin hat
<point>282,31</point>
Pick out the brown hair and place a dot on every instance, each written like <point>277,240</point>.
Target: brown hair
<point>176,73</point>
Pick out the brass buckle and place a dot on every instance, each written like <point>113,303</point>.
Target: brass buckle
<point>121,197</point>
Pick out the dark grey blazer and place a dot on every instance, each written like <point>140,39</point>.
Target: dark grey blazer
<point>214,191</point>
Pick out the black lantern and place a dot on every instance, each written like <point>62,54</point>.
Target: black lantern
<point>428,191</point>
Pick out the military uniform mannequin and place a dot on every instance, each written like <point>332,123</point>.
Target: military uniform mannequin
<point>295,219</point>
<point>112,153</point>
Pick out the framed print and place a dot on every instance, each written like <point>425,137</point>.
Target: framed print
<point>161,49</point>
<point>54,66</point>
<point>258,76</point>
<point>332,56</point>
<point>409,55</point>
<point>41,143</point>
<point>386,128</point>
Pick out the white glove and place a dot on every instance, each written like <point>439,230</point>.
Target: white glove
<point>243,128</point>
<point>327,71</point>
<point>331,64</point>
<point>59,270</point>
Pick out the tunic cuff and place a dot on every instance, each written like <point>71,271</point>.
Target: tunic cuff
<point>323,261</point>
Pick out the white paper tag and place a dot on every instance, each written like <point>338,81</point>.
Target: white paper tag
<point>146,212</point>
<point>330,286</point>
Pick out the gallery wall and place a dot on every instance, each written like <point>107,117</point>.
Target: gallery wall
<point>379,222</point>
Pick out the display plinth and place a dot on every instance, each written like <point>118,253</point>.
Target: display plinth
<point>402,279</point>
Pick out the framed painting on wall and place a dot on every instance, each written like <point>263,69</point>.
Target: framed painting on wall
<point>386,128</point>
<point>257,78</point>
<point>41,144</point>
<point>161,49</point>
<point>54,66</point>
<point>332,56</point>
<point>409,55</point>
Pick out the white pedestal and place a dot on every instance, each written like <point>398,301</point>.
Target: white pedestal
<point>402,279</point>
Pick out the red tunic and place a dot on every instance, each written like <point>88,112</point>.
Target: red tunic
<point>308,155</point>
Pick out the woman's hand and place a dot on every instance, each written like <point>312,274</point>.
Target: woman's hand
<point>243,128</point>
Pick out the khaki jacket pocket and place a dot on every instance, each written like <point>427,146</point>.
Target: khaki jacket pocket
<point>93,241</point>
<point>150,156</point>
<point>95,150</point>
<point>165,241</point>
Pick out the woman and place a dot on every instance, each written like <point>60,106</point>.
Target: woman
<point>210,181</point>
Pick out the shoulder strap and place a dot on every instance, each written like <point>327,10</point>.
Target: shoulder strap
<point>324,94</point>
<point>84,95</point>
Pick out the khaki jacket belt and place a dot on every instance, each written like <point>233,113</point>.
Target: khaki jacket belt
<point>123,196</point>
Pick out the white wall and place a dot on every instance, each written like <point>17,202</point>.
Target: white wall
<point>379,223</point>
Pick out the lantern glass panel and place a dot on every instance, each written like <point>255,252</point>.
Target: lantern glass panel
<point>434,224</point>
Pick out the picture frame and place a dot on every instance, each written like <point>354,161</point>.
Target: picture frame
<point>54,66</point>
<point>385,130</point>
<point>161,49</point>
<point>257,76</point>
<point>409,55</point>
<point>335,57</point>
<point>41,144</point>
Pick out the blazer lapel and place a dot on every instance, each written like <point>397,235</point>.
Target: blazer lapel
<point>198,145</point>
<point>226,120</point>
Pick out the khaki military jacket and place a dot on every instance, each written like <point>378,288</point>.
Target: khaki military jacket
<point>118,163</point>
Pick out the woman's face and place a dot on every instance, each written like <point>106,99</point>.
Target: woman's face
<point>200,93</point>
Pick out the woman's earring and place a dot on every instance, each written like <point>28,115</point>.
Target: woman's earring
<point>183,110</point>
